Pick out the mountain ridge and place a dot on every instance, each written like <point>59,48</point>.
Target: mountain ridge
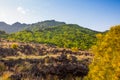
<point>17,26</point>
<point>44,24</point>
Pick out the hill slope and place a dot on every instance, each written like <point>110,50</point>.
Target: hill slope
<point>68,35</point>
<point>12,28</point>
<point>44,24</point>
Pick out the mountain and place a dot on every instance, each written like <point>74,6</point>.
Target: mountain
<point>44,24</point>
<point>12,28</point>
<point>4,26</point>
<point>36,26</point>
<point>52,32</point>
<point>67,35</point>
<point>18,26</point>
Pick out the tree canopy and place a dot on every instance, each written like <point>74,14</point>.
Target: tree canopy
<point>67,36</point>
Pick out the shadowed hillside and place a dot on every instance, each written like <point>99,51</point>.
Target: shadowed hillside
<point>12,28</point>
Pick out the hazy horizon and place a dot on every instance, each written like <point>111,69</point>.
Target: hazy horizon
<point>97,15</point>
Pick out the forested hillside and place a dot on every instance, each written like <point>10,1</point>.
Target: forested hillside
<point>44,24</point>
<point>68,36</point>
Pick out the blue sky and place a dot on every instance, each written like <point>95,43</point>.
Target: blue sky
<point>98,15</point>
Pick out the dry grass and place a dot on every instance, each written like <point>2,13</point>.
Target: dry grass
<point>23,56</point>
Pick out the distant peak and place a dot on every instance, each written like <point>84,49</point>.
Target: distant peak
<point>3,23</point>
<point>50,20</point>
<point>16,23</point>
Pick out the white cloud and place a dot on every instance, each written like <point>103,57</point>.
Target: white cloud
<point>21,10</point>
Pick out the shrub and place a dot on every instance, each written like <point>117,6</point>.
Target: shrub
<point>14,46</point>
<point>106,62</point>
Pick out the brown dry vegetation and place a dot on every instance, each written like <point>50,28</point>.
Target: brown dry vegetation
<point>30,61</point>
